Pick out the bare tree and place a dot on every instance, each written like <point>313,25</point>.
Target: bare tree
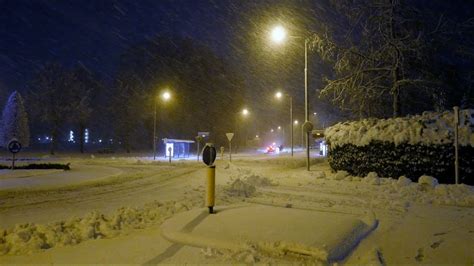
<point>50,99</point>
<point>380,50</point>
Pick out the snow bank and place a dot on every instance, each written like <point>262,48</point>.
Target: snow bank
<point>425,191</point>
<point>372,178</point>
<point>30,237</point>
<point>241,188</point>
<point>244,181</point>
<point>428,128</point>
<point>290,162</point>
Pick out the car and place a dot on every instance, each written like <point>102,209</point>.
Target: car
<point>270,149</point>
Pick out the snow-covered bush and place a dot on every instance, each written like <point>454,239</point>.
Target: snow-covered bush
<point>14,123</point>
<point>408,146</point>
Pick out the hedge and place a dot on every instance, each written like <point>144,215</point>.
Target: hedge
<point>410,160</point>
<point>64,167</point>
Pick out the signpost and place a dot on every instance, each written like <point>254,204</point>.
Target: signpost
<point>170,151</point>
<point>456,144</point>
<point>229,137</point>
<point>307,128</point>
<point>14,146</point>
<point>222,152</point>
<point>208,157</point>
<point>198,141</point>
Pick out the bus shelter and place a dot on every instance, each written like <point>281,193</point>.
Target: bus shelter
<point>177,148</point>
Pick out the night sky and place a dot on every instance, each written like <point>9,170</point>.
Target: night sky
<point>94,34</point>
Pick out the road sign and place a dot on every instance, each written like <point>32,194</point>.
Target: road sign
<point>209,154</point>
<point>229,136</point>
<point>14,146</point>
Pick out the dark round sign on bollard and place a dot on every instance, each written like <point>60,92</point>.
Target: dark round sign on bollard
<point>14,146</point>
<point>209,154</point>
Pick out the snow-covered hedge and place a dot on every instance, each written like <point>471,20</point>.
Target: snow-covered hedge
<point>410,146</point>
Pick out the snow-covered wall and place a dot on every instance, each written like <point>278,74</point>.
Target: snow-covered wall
<point>411,146</point>
<point>428,128</point>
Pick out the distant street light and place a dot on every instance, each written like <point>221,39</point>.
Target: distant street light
<point>278,35</point>
<point>280,95</point>
<point>296,122</point>
<point>165,96</point>
<point>271,130</point>
<point>279,127</point>
<point>245,113</point>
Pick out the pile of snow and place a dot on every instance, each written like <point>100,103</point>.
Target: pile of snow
<point>241,188</point>
<point>372,178</point>
<point>403,181</point>
<point>340,175</point>
<point>390,191</point>
<point>428,128</point>
<point>30,237</point>
<point>258,181</point>
<point>428,181</point>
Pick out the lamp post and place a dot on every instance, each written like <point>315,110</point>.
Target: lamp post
<point>165,96</point>
<point>278,35</point>
<point>279,95</point>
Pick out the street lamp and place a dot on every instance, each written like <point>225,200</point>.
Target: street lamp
<point>165,96</point>
<point>278,35</point>
<point>280,95</point>
<point>245,112</point>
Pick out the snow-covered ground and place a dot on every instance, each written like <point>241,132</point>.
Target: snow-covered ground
<point>117,219</point>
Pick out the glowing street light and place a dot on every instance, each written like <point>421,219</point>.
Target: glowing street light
<point>165,96</point>
<point>279,127</point>
<point>271,130</point>
<point>278,35</point>
<point>245,112</point>
<point>296,122</point>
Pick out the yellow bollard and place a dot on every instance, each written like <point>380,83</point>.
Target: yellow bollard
<point>211,187</point>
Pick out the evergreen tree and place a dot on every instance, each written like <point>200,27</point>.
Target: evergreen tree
<point>15,121</point>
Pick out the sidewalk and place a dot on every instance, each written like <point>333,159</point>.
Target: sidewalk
<point>325,236</point>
